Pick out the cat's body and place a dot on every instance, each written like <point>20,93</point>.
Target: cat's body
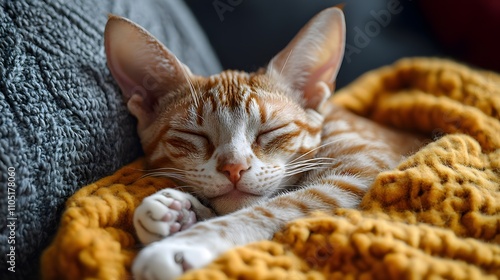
<point>258,149</point>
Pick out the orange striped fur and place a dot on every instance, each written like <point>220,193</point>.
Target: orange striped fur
<point>256,149</point>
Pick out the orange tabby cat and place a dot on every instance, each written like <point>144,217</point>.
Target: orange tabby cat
<point>258,150</point>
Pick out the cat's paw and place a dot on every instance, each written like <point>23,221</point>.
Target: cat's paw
<point>168,259</point>
<point>163,214</point>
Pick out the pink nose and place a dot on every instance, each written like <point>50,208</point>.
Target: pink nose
<point>234,171</point>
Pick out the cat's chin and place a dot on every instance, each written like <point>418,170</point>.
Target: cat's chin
<point>233,201</point>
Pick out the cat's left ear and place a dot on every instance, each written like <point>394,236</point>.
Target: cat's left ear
<point>311,61</point>
<point>143,67</point>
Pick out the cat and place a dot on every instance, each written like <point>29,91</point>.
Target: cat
<point>249,151</point>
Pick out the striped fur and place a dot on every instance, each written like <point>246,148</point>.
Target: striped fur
<point>231,117</point>
<point>257,150</point>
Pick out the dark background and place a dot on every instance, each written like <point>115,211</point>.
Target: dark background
<point>246,34</point>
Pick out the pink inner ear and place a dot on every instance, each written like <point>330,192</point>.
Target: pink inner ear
<point>326,73</point>
<point>141,64</point>
<point>317,53</point>
<point>125,82</point>
<point>333,44</point>
<point>117,30</point>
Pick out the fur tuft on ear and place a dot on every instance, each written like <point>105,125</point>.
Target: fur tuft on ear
<point>311,61</point>
<point>143,67</point>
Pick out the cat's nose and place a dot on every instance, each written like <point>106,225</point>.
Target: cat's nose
<point>234,171</point>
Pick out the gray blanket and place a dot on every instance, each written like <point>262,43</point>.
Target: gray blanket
<point>63,123</point>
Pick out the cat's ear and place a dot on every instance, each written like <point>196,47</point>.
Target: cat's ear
<point>143,67</point>
<point>310,62</point>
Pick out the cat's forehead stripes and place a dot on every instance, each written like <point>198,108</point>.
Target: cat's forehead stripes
<point>229,88</point>
<point>230,92</point>
<point>234,89</point>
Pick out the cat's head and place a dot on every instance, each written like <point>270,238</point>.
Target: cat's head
<point>233,138</point>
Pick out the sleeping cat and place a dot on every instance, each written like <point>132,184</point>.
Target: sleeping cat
<point>249,151</point>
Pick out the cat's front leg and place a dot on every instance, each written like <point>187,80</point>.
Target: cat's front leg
<point>169,258</point>
<point>167,212</point>
<point>201,244</point>
<point>205,241</point>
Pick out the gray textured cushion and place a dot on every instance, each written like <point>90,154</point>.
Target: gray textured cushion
<point>63,123</point>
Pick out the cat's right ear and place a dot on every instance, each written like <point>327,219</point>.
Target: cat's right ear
<point>310,62</point>
<point>143,67</point>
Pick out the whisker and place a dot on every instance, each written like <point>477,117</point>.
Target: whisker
<point>312,160</point>
<point>164,168</point>
<point>180,177</point>
<point>290,174</point>
<point>317,148</point>
<point>286,61</point>
<point>178,174</point>
<point>190,83</point>
<point>311,164</point>
<point>163,174</point>
<point>192,190</point>
<point>301,168</point>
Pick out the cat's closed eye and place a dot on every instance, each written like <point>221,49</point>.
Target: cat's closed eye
<point>197,135</point>
<point>275,136</point>
<point>274,128</point>
<point>187,142</point>
<point>198,132</point>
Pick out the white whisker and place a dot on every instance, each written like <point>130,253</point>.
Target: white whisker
<point>315,164</point>
<point>164,174</point>
<point>317,148</point>
<point>191,190</point>
<point>164,168</point>
<point>286,61</point>
<point>190,83</point>
<point>307,165</point>
<point>311,160</point>
<point>290,174</point>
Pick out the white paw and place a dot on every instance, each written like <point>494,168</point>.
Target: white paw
<point>168,259</point>
<point>163,214</point>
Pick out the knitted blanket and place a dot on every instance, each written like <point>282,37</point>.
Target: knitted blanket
<point>437,215</point>
<point>63,123</point>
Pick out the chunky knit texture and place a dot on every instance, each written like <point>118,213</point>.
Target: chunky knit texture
<point>437,215</point>
<point>63,123</point>
<point>96,235</point>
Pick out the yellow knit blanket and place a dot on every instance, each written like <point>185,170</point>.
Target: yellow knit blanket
<point>435,216</point>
